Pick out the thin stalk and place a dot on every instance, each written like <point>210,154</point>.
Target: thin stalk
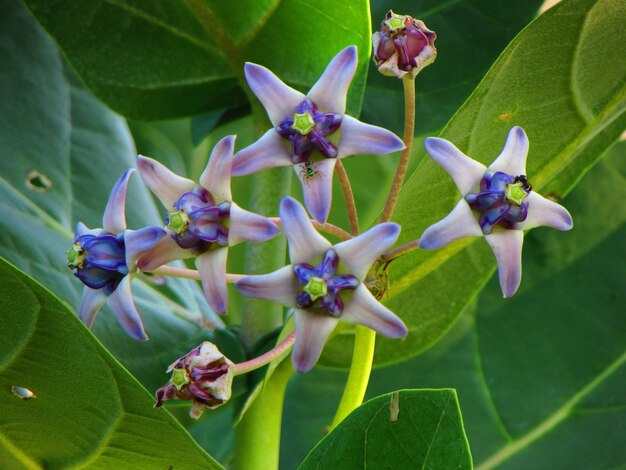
<point>401,250</point>
<point>408,81</point>
<point>263,359</point>
<point>347,193</point>
<point>324,227</point>
<point>358,377</point>
<point>185,273</point>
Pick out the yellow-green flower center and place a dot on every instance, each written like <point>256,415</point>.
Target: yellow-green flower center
<point>76,256</point>
<point>515,193</point>
<point>303,123</point>
<point>316,288</point>
<point>180,378</point>
<point>395,22</point>
<point>179,221</point>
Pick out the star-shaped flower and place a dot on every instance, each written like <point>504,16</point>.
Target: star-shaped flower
<point>498,202</point>
<point>324,283</point>
<point>106,258</point>
<point>203,220</point>
<point>310,132</point>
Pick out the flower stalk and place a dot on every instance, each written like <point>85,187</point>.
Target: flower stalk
<point>264,359</point>
<point>353,217</point>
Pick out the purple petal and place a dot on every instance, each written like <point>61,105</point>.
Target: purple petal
<point>216,176</point>
<point>114,219</point>
<point>167,185</point>
<point>121,302</point>
<point>507,246</point>
<point>358,137</point>
<point>312,331</point>
<point>279,286</point>
<point>212,268</point>
<point>512,159</point>
<point>248,226</point>
<point>267,152</point>
<point>140,241</point>
<point>330,91</point>
<point>90,304</point>
<point>164,251</point>
<point>305,243</point>
<point>542,211</point>
<point>278,99</point>
<point>359,253</point>
<point>465,172</point>
<point>459,223</point>
<point>365,310</point>
<point>317,190</point>
<point>166,392</point>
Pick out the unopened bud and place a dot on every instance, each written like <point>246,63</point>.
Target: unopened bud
<point>204,376</point>
<point>403,45</point>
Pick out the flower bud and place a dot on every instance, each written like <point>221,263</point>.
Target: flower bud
<point>204,376</point>
<point>403,45</point>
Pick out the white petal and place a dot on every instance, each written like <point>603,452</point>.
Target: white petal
<point>544,212</point>
<point>359,253</point>
<point>267,152</point>
<point>358,137</point>
<point>82,229</point>
<point>216,176</point>
<point>278,99</point>
<point>317,189</point>
<point>279,286</point>
<point>90,304</point>
<point>114,219</point>
<point>512,159</point>
<point>459,223</point>
<point>164,251</point>
<point>212,268</point>
<point>312,331</point>
<point>465,172</point>
<point>330,91</point>
<point>141,241</point>
<point>121,302</point>
<point>507,246</point>
<point>248,226</point>
<point>167,186</point>
<point>365,310</point>
<point>305,243</point>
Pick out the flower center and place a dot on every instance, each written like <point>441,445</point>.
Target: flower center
<point>500,201</point>
<point>395,22</point>
<point>322,286</point>
<point>180,378</point>
<point>178,222</point>
<point>307,130</point>
<point>76,256</point>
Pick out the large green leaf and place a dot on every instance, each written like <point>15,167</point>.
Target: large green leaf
<point>405,429</point>
<point>87,410</point>
<point>154,60</point>
<point>571,104</point>
<point>540,378</point>
<point>54,127</point>
<point>470,35</point>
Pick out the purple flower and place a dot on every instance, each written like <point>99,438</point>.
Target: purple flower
<point>204,376</point>
<point>403,45</point>
<point>310,132</point>
<point>502,198</point>
<point>106,258</point>
<point>324,283</point>
<point>203,221</point>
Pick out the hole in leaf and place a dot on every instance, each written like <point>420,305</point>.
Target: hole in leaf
<point>22,393</point>
<point>38,181</point>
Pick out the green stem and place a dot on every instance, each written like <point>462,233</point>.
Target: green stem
<point>408,82</point>
<point>256,442</point>
<point>359,375</point>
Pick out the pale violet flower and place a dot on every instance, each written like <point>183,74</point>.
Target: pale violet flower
<point>203,220</point>
<point>105,259</point>
<point>498,203</point>
<point>311,131</point>
<point>324,283</point>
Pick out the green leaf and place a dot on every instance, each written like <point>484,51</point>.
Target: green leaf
<point>52,127</point>
<point>570,120</point>
<point>154,60</point>
<point>470,35</point>
<point>87,410</point>
<point>404,429</point>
